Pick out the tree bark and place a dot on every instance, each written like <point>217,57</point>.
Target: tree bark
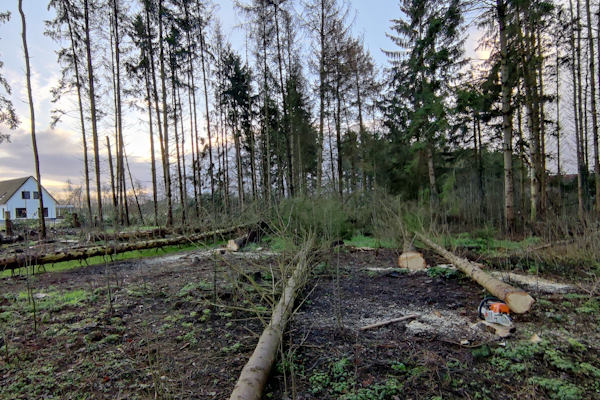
<point>112,175</point>
<point>165,139</point>
<point>592,73</point>
<point>86,167</point>
<point>518,300</point>
<point>208,126</point>
<point>509,195</point>
<point>255,373</point>
<point>576,117</point>
<point>36,158</point>
<point>92,94</point>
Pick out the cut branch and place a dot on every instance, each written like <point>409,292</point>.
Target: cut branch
<point>388,322</point>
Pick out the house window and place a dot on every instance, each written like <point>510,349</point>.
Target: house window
<point>36,195</point>
<point>21,212</point>
<point>45,212</point>
<point>25,195</point>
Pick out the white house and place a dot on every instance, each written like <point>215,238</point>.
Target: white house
<point>19,199</point>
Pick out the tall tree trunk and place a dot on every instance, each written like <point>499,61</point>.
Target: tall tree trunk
<point>119,200</point>
<point>163,78</point>
<point>542,138</point>
<point>509,195</point>
<point>558,169</point>
<point>527,41</point>
<point>523,158</point>
<point>86,167</point>
<point>135,196</point>
<point>238,161</point>
<point>266,133</point>
<point>338,137</point>
<point>32,117</point>
<point>119,115</point>
<point>322,78</point>
<point>112,175</point>
<point>361,127</point>
<point>287,125</point>
<point>195,161</point>
<point>155,96</point>
<point>152,153</point>
<point>208,126</point>
<point>183,170</point>
<point>592,73</point>
<point>431,172</point>
<point>177,153</point>
<point>577,115</point>
<point>92,94</point>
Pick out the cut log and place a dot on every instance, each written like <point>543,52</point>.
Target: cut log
<point>518,300</point>
<point>15,261</point>
<point>255,373</point>
<point>412,260</point>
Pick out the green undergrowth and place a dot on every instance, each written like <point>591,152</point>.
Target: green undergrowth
<point>69,265</point>
<point>370,242</point>
<point>339,381</point>
<point>484,243</point>
<point>561,370</point>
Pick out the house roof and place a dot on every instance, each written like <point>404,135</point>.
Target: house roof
<point>9,188</point>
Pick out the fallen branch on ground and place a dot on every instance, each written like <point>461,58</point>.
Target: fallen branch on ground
<point>388,322</point>
<point>518,300</point>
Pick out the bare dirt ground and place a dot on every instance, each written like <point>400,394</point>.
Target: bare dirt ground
<point>438,354</point>
<point>165,336</point>
<point>162,338</point>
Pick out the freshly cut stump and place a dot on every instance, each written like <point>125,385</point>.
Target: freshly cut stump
<point>412,260</point>
<point>518,300</point>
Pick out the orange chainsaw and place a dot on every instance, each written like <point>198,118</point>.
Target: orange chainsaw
<point>495,311</point>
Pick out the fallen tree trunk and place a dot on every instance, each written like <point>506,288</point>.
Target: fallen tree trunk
<point>518,300</point>
<point>15,261</point>
<point>255,373</point>
<point>156,233</point>
<point>124,236</point>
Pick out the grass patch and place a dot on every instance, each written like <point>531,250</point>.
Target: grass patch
<point>54,300</point>
<point>280,243</point>
<point>488,244</point>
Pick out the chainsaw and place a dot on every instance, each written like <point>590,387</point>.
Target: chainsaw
<point>495,311</point>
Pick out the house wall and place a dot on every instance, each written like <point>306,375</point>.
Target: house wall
<point>30,204</point>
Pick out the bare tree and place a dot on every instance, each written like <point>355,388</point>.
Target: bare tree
<point>32,117</point>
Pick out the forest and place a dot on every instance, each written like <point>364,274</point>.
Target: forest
<point>314,224</point>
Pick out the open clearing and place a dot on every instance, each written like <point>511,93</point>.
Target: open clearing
<point>169,335</point>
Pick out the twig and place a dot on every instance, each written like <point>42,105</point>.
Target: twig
<point>389,321</point>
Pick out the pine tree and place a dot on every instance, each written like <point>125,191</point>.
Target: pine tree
<point>429,36</point>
